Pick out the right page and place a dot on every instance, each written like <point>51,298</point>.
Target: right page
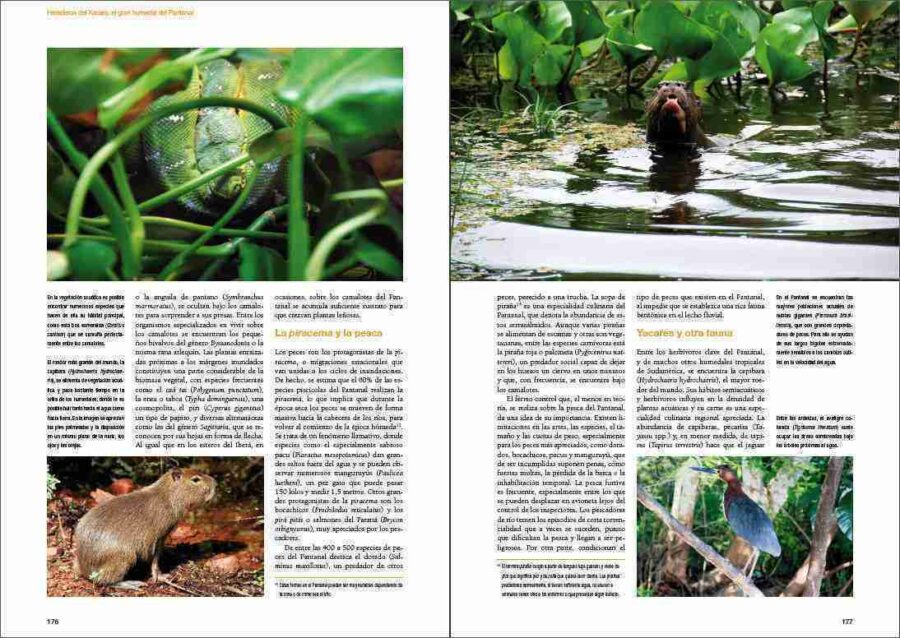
<point>674,317</point>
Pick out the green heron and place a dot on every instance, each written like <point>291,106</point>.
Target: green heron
<point>747,519</point>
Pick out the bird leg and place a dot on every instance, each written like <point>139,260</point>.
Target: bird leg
<point>751,563</point>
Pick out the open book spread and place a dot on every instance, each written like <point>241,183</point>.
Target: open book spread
<point>450,318</point>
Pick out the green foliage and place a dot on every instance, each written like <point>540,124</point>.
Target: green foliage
<point>79,79</point>
<point>340,139</point>
<point>90,260</point>
<point>52,483</point>
<point>348,92</point>
<point>543,43</point>
<point>778,52</point>
<point>793,522</point>
<point>258,263</point>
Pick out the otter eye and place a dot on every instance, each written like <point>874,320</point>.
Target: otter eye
<point>196,479</point>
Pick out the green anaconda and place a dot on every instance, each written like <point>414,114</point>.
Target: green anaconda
<point>182,146</point>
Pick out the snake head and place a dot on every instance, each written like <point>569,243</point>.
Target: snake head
<point>228,187</point>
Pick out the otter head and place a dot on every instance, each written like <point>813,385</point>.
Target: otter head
<point>190,488</point>
<point>673,115</point>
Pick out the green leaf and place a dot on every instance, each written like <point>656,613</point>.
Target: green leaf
<point>821,12</point>
<point>90,260</point>
<point>525,44</point>
<point>776,52</point>
<point>550,66</point>
<point>864,11</point>
<point>60,183</point>
<point>79,79</point>
<point>112,109</point>
<point>625,49</point>
<point>374,256</point>
<point>803,18</point>
<point>258,263</point>
<point>348,92</point>
<point>554,20</point>
<point>844,514</point>
<point>735,21</point>
<point>587,25</point>
<point>847,23</point>
<point>670,32</point>
<point>506,63</point>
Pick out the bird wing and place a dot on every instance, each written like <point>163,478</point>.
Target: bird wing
<point>749,521</point>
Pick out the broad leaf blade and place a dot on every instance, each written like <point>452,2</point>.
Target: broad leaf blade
<point>348,92</point>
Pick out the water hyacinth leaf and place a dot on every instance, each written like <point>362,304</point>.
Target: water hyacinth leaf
<point>670,32</point>
<point>550,66</point>
<point>736,22</point>
<point>79,79</point>
<point>620,18</point>
<point>90,260</point>
<point>847,23</point>
<point>554,20</point>
<point>821,11</point>
<point>775,52</point>
<point>676,73</point>
<point>586,22</point>
<point>348,92</point>
<point>506,63</point>
<point>802,17</point>
<point>258,263</point>
<point>864,11</point>
<point>374,256</point>
<point>525,43</point>
<point>625,49</point>
<point>732,41</point>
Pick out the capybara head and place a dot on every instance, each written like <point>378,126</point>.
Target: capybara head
<point>188,488</point>
<point>673,115</point>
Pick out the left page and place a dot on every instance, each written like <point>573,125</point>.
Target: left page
<point>225,358</point>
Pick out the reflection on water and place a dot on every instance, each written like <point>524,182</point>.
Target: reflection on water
<point>819,175</point>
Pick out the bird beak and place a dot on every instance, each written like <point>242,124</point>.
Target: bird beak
<point>706,470</point>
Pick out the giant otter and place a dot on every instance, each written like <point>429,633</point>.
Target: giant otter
<point>673,117</point>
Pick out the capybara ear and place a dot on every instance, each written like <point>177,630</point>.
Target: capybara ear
<point>176,475</point>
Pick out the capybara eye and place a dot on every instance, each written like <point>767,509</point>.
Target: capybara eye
<point>196,479</point>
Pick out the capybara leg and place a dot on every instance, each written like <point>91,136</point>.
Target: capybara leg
<point>155,573</point>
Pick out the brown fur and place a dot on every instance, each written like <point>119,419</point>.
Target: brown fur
<point>676,123</point>
<point>112,537</point>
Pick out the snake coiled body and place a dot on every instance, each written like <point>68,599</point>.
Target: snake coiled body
<point>185,145</point>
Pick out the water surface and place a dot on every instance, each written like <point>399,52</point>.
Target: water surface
<point>798,188</point>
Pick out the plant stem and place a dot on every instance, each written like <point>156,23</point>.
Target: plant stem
<point>113,108</point>
<point>270,215</point>
<point>391,184</point>
<point>92,168</point>
<point>136,230</point>
<point>155,245</point>
<point>316,265</point>
<point>178,261</point>
<point>174,193</point>
<point>101,191</point>
<point>298,228</point>
<point>94,224</point>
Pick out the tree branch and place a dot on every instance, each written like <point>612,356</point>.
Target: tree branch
<point>702,548</point>
<point>824,520</point>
